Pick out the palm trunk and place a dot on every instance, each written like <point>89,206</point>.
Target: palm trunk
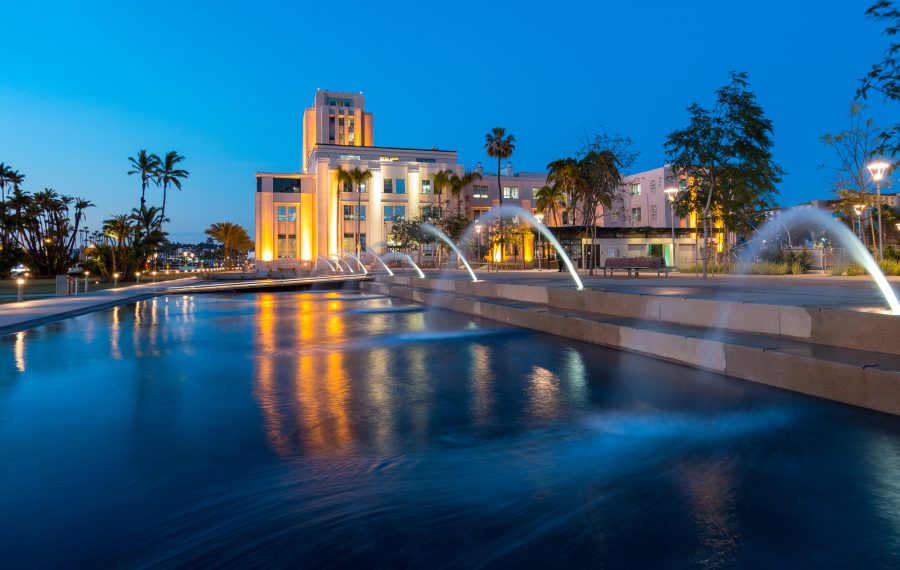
<point>358,221</point>
<point>163,212</point>
<point>500,193</point>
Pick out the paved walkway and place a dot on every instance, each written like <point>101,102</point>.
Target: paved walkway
<point>841,293</point>
<point>18,316</point>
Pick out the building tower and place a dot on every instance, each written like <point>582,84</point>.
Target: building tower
<point>336,118</point>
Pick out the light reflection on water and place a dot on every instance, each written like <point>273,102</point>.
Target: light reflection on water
<point>328,429</point>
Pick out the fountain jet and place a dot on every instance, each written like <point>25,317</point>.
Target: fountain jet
<point>358,261</point>
<point>443,237</point>
<point>407,258</point>
<point>383,264</point>
<point>841,234</point>
<point>509,211</point>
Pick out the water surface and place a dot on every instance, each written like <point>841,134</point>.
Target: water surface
<point>344,430</point>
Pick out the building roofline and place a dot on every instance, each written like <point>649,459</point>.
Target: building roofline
<point>361,148</point>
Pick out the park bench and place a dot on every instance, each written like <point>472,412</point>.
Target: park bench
<point>636,264</point>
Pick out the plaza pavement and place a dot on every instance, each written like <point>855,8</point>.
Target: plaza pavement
<point>18,316</point>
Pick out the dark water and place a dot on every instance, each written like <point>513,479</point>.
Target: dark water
<point>330,430</point>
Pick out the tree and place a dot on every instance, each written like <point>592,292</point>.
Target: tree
<point>552,200</point>
<point>147,165</point>
<point>359,177</point>
<point>499,145</point>
<point>600,179</point>
<point>48,225</point>
<point>441,180</point>
<point>564,177</point>
<point>725,155</point>
<point>457,183</point>
<point>233,237</point>
<point>884,76</point>
<point>853,148</point>
<point>169,173</point>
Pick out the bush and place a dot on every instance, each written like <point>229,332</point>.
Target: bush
<point>769,268</point>
<point>890,266</point>
<point>850,269</point>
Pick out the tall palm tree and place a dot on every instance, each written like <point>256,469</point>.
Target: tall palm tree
<point>442,180</point>
<point>457,183</point>
<point>147,165</point>
<point>359,177</point>
<point>5,172</point>
<point>344,181</point>
<point>551,199</point>
<point>169,173</point>
<point>499,145</point>
<point>232,236</point>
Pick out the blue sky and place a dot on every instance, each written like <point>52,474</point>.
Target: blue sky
<point>85,85</point>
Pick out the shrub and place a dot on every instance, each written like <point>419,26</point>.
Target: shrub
<point>890,266</point>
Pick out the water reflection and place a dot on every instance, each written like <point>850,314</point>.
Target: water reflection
<point>543,394</point>
<point>19,351</point>
<point>481,380</point>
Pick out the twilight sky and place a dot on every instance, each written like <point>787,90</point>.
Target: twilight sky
<point>84,85</point>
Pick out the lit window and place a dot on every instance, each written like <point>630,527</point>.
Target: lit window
<point>362,186</point>
<point>479,191</point>
<point>511,192</point>
<point>534,191</point>
<point>636,189</point>
<point>635,215</point>
<point>282,214</point>
<point>682,185</point>
<point>426,187</point>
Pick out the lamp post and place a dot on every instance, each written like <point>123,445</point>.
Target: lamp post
<point>478,229</point>
<point>671,193</point>
<point>877,170</point>
<point>86,274</point>
<point>858,208</point>
<point>20,290</point>
<point>540,218</point>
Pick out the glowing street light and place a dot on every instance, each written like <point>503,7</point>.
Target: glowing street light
<point>115,280</point>
<point>137,277</point>
<point>671,194</point>
<point>86,274</point>
<point>858,208</point>
<point>478,229</point>
<point>877,170</point>
<point>20,290</point>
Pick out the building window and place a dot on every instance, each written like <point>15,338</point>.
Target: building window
<point>348,187</point>
<point>479,191</point>
<point>348,213</point>
<point>286,242</point>
<point>511,192</point>
<point>288,185</point>
<point>682,185</point>
<point>394,212</point>
<point>433,212</point>
<point>388,185</point>
<point>652,212</point>
<point>534,191</point>
<point>401,186</point>
<point>653,185</point>
<point>478,212</point>
<point>635,188</point>
<point>362,186</point>
<point>426,187</point>
<point>635,215</point>
<point>362,213</point>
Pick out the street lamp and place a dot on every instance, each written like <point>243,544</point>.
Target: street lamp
<point>877,170</point>
<point>858,208</point>
<point>540,218</point>
<point>671,193</point>
<point>478,228</point>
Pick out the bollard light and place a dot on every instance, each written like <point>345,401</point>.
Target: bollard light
<point>115,280</point>
<point>153,273</point>
<point>137,277</point>
<point>86,274</point>
<point>20,290</point>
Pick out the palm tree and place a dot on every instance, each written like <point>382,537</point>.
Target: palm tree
<point>169,173</point>
<point>551,199</point>
<point>499,145</point>
<point>563,174</point>
<point>5,172</point>
<point>233,238</point>
<point>442,180</point>
<point>600,180</point>
<point>147,165</point>
<point>457,183</point>
<point>359,177</point>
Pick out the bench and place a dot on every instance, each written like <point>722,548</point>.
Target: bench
<point>636,264</point>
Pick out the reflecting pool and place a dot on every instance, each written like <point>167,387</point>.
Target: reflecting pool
<point>353,430</point>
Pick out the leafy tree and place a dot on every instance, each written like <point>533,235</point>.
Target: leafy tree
<point>884,76</point>
<point>600,180</point>
<point>49,224</point>
<point>725,155</point>
<point>170,174</point>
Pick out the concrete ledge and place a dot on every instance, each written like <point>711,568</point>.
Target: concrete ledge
<point>854,384</point>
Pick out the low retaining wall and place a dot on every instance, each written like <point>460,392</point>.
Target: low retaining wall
<point>847,329</point>
<point>856,384</point>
